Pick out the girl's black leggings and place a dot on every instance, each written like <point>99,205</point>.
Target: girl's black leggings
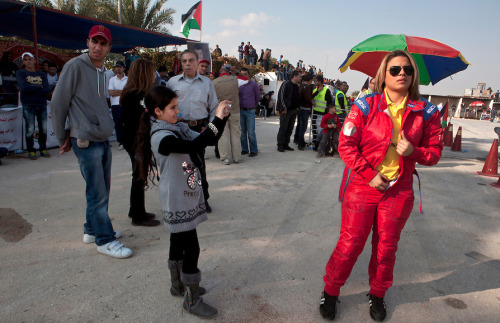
<point>184,246</point>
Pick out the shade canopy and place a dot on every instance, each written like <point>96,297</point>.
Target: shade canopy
<point>68,31</point>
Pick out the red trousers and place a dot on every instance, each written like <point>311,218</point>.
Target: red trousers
<point>365,209</point>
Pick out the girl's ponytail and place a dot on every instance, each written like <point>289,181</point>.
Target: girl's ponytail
<point>144,159</point>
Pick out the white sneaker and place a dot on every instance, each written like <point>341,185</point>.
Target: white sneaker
<point>226,162</point>
<point>120,147</point>
<point>87,238</point>
<point>115,249</point>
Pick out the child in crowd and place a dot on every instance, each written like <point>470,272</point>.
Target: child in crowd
<point>177,152</point>
<point>330,123</point>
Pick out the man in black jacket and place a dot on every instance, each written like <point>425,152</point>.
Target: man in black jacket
<point>288,105</point>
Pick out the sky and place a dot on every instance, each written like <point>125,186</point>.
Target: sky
<point>321,33</point>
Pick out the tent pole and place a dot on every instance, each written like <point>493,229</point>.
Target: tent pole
<point>35,40</point>
<point>119,11</point>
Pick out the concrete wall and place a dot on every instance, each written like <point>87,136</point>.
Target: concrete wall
<point>463,101</point>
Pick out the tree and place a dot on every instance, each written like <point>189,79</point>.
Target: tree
<point>89,8</point>
<point>145,14</point>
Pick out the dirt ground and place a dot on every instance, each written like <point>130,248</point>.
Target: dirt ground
<point>275,222</point>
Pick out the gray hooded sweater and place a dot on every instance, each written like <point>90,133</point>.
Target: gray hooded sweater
<point>181,195</point>
<point>81,94</point>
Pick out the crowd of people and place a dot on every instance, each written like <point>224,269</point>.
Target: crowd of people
<point>165,122</point>
<point>162,121</point>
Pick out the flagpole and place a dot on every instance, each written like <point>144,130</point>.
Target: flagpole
<point>201,18</point>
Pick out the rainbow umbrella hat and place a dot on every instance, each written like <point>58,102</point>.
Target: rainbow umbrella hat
<point>435,60</point>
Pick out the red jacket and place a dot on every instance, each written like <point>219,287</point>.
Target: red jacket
<point>326,118</point>
<point>367,131</point>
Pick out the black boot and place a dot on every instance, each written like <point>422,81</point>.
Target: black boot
<point>328,306</point>
<point>193,303</point>
<point>178,288</point>
<point>377,308</point>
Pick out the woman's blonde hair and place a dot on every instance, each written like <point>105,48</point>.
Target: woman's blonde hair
<point>140,77</point>
<point>413,92</point>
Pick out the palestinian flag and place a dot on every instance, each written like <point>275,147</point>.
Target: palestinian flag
<point>192,19</point>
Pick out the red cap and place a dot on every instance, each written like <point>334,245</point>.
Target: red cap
<point>100,30</point>
<point>203,61</point>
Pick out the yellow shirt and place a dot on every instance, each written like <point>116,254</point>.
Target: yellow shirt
<point>390,165</point>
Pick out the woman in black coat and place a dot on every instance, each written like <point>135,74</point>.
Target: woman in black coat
<point>141,77</point>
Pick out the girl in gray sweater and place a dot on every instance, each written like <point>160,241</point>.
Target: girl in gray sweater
<point>169,149</point>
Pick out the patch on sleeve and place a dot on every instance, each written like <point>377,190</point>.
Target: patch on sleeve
<point>349,129</point>
<point>352,115</point>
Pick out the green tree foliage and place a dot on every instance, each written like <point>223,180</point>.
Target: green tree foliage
<point>89,8</point>
<point>146,14</point>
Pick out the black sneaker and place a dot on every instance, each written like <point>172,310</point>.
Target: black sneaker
<point>289,148</point>
<point>244,152</point>
<point>328,306</point>
<point>377,308</point>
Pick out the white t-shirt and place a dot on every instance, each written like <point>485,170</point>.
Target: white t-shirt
<point>116,84</point>
<point>52,80</point>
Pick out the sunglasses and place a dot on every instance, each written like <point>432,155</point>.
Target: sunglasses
<point>394,70</point>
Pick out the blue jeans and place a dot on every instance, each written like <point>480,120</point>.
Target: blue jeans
<point>300,129</point>
<point>95,166</point>
<point>247,121</point>
<point>30,112</point>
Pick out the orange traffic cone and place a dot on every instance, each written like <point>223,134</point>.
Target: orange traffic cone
<point>448,135</point>
<point>497,184</point>
<point>490,167</point>
<point>457,144</point>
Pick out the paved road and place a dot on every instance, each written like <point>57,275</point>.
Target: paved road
<point>264,248</point>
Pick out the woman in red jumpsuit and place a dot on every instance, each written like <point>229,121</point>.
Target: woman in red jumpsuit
<point>383,137</point>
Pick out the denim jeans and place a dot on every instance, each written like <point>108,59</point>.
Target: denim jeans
<point>30,112</point>
<point>247,121</point>
<point>300,129</point>
<point>95,166</point>
<point>315,123</point>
